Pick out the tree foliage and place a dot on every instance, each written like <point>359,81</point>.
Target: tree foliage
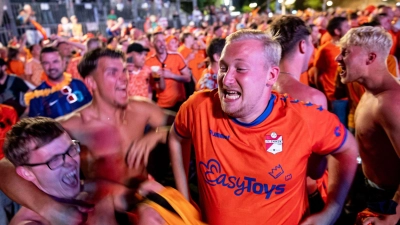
<point>314,4</point>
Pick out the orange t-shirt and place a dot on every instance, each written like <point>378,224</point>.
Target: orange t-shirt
<point>184,51</point>
<point>327,67</point>
<point>325,38</point>
<point>199,58</point>
<point>139,82</point>
<point>72,68</point>
<point>394,39</point>
<point>16,67</point>
<point>255,173</point>
<point>8,117</point>
<point>174,91</point>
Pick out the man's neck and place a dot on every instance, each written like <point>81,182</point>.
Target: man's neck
<point>106,112</point>
<point>162,56</point>
<point>376,85</point>
<point>288,69</point>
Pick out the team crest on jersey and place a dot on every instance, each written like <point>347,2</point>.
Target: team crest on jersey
<point>273,143</point>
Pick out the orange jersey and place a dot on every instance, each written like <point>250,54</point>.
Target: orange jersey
<point>325,38</point>
<point>256,173</point>
<point>327,67</point>
<point>184,51</point>
<point>174,91</point>
<point>392,65</point>
<point>8,117</point>
<point>394,39</point>
<point>16,67</point>
<point>197,70</point>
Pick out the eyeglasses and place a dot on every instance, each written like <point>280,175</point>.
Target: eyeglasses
<point>59,160</point>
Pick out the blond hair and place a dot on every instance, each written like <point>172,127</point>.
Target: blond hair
<point>374,39</point>
<point>272,48</point>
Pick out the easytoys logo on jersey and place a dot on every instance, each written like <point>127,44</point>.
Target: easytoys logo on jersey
<point>213,176</point>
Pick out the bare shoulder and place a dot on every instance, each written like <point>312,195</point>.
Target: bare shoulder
<point>70,119</point>
<point>143,105</point>
<point>388,103</point>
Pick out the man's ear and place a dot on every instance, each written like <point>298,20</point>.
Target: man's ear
<point>216,57</point>
<point>371,58</point>
<point>272,76</point>
<point>337,32</point>
<point>25,173</point>
<point>302,46</point>
<point>90,82</point>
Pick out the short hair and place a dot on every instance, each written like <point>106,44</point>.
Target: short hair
<point>215,47</point>
<point>28,135</point>
<point>49,49</point>
<point>89,61</point>
<point>272,48</point>
<point>370,38</point>
<point>12,52</point>
<point>289,30</point>
<point>60,43</point>
<point>153,35</point>
<point>334,24</point>
<point>2,62</point>
<point>184,36</point>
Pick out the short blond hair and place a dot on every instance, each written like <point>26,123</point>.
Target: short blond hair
<point>272,48</point>
<point>374,39</point>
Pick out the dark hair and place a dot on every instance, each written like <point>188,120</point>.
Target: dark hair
<point>184,36</point>
<point>353,16</point>
<point>60,43</point>
<point>216,46</point>
<point>28,135</point>
<point>109,40</point>
<point>2,62</point>
<point>49,50</point>
<point>12,53</point>
<point>334,24</point>
<point>289,31</point>
<point>253,26</point>
<point>89,61</point>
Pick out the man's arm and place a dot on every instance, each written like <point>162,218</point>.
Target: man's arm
<point>179,161</point>
<point>17,189</point>
<point>183,77</point>
<point>341,167</point>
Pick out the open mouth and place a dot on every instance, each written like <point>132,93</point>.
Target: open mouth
<point>232,95</point>
<point>71,179</point>
<point>342,70</point>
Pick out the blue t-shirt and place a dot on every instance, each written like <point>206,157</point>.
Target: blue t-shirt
<point>60,103</point>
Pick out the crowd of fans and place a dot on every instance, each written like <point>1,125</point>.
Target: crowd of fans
<point>117,94</point>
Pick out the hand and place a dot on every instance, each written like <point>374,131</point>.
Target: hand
<point>139,150</point>
<point>166,73</point>
<point>315,219</point>
<point>327,216</point>
<point>382,220</point>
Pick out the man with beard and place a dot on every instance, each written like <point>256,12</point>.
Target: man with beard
<point>111,130</point>
<point>252,146</point>
<point>175,72</point>
<point>59,94</point>
<point>363,56</point>
<point>12,89</point>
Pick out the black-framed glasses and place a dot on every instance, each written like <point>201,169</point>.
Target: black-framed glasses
<point>59,160</point>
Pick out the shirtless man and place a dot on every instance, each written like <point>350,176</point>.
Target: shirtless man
<point>363,57</point>
<point>110,129</point>
<point>296,42</point>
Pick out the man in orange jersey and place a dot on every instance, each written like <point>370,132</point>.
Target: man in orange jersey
<point>363,56</point>
<point>252,146</point>
<point>325,58</point>
<point>175,72</point>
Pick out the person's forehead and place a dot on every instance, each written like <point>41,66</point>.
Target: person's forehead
<point>57,146</point>
<point>50,55</point>
<point>108,62</point>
